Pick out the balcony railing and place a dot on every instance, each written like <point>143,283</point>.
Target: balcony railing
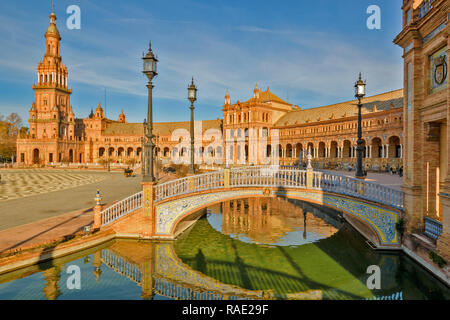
<point>433,228</point>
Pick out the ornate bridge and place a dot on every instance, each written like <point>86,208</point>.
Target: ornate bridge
<point>166,205</point>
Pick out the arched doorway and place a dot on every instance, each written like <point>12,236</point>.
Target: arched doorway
<point>321,149</point>
<point>166,152</point>
<point>70,155</point>
<point>333,149</point>
<point>129,152</point>
<point>36,156</point>
<point>346,149</point>
<point>288,151</point>
<point>269,151</point>
<point>377,150</point>
<point>394,147</point>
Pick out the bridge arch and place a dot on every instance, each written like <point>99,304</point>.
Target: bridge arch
<point>357,213</point>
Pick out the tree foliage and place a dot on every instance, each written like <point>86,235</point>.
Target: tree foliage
<point>10,128</point>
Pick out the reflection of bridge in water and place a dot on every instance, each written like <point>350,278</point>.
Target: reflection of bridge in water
<point>170,277</point>
<point>163,286</point>
<point>121,266</point>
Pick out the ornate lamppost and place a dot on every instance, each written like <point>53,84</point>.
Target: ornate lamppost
<point>360,92</point>
<point>150,62</point>
<point>192,96</point>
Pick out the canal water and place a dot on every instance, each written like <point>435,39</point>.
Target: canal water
<point>255,248</point>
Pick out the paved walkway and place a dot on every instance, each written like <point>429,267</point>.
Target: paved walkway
<point>45,231</point>
<point>43,218</point>
<point>70,197</point>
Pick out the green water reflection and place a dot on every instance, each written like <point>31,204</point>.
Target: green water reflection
<point>253,249</point>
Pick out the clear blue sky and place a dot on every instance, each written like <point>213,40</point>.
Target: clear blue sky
<point>307,51</point>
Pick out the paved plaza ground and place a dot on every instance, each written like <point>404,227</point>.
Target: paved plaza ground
<point>32,195</point>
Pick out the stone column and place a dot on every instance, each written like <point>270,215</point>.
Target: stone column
<point>148,212</point>
<point>226,178</point>
<point>370,151</point>
<point>97,212</point>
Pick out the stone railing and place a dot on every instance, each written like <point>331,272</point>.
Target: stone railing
<point>121,208</point>
<point>268,177</point>
<point>199,182</point>
<point>433,228</point>
<point>357,188</point>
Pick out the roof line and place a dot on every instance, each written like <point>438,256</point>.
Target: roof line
<point>354,100</point>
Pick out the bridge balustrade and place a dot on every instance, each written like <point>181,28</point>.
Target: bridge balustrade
<point>200,182</point>
<point>267,177</point>
<point>261,176</point>
<point>358,188</point>
<point>121,208</point>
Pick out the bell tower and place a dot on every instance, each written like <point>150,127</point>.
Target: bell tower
<point>51,114</point>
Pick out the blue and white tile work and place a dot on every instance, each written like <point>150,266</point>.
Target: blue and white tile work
<point>381,220</point>
<point>167,214</point>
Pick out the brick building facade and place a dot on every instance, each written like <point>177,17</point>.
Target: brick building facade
<point>426,44</point>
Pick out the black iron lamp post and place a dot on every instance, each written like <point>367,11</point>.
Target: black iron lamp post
<point>150,63</point>
<point>360,92</point>
<point>192,96</point>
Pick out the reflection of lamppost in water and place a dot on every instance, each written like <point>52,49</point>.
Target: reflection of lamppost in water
<point>304,225</point>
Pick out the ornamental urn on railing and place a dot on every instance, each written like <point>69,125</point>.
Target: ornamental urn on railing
<point>98,198</point>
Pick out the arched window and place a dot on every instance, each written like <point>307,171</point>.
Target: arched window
<point>264,132</point>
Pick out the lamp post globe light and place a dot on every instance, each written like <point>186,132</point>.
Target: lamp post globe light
<point>192,96</point>
<point>360,92</point>
<point>150,63</point>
